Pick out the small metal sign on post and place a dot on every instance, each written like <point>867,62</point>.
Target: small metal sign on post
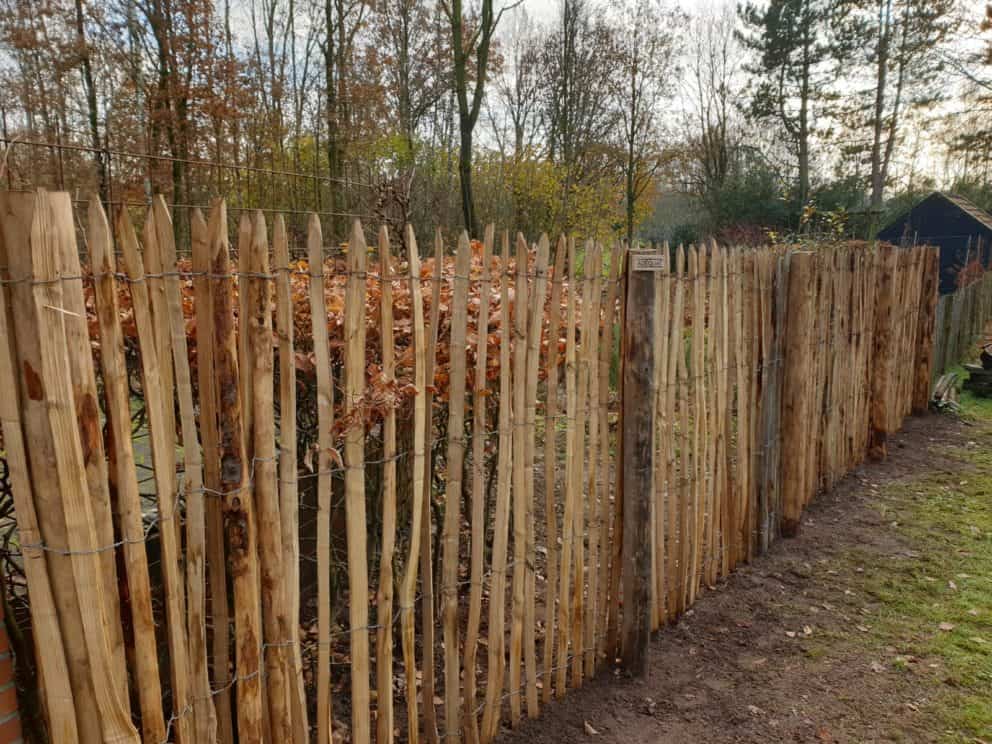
<point>647,261</point>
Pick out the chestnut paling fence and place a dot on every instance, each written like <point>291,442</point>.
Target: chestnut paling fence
<point>461,465</point>
<point>961,319</point>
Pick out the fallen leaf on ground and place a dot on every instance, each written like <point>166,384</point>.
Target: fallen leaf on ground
<point>589,729</point>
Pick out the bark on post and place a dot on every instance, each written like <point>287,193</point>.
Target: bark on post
<point>638,361</point>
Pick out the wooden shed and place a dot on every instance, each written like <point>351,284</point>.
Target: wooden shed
<point>961,229</point>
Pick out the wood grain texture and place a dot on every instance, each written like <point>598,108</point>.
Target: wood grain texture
<point>637,464</point>
<point>551,438</point>
<point>85,395</point>
<point>235,483</point>
<point>455,462</point>
<point>69,461</point>
<point>519,480</point>
<point>214,512</point>
<point>501,515</point>
<point>325,444</point>
<point>151,317</point>
<point>278,633</point>
<point>384,595</point>
<point>480,392</point>
<point>289,507</point>
<point>354,457</point>
<point>571,487</point>
<point>53,666</point>
<point>204,720</point>
<point>535,327</point>
<point>427,550</point>
<point>606,440</point>
<point>409,586</point>
<point>590,626</point>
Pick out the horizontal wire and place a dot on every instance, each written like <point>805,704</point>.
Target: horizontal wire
<point>11,142</point>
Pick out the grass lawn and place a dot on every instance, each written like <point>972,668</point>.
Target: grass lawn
<point>937,610</point>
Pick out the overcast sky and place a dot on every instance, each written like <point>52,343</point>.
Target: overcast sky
<point>545,10</point>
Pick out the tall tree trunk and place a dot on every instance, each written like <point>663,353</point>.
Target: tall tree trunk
<point>804,126</point>
<point>334,159</point>
<point>882,71</point>
<point>93,115</point>
<point>465,178</point>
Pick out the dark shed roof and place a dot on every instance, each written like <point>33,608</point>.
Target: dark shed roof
<point>961,229</point>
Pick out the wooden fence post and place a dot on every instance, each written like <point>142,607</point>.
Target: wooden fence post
<point>795,382</point>
<point>773,275</point>
<point>881,352</point>
<point>637,425</point>
<point>925,348</point>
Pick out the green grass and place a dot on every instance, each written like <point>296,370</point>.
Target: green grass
<point>936,610</point>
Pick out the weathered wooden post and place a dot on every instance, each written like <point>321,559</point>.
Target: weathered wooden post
<point>878,427</point>
<point>796,379</point>
<point>925,347</point>
<point>638,456</point>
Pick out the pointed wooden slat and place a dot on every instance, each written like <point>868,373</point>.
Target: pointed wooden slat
<point>478,518</point>
<point>124,475</point>
<point>678,396</point>
<point>606,506</point>
<point>501,515</point>
<point>235,473</point>
<point>742,361</point>
<point>680,368</point>
<point>214,514</point>
<point>592,577</point>
<point>354,458</point>
<point>578,425</point>
<point>53,665</point>
<point>18,210</point>
<point>409,586</point>
<point>289,507</point>
<point>160,323</point>
<point>325,422</point>
<point>662,443</point>
<point>551,438</point>
<point>156,354</point>
<point>720,565</point>
<point>697,389</point>
<point>278,632</point>
<point>244,365</point>
<point>384,595</point>
<point>568,515</point>
<point>204,721</point>
<point>710,372</point>
<point>88,416</point>
<point>55,381</point>
<point>455,462</point>
<point>520,307</point>
<point>612,625</point>
<point>427,608</point>
<point>536,302</point>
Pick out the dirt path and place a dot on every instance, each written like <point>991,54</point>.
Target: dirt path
<point>793,647</point>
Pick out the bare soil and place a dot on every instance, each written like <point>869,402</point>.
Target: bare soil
<point>773,653</point>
